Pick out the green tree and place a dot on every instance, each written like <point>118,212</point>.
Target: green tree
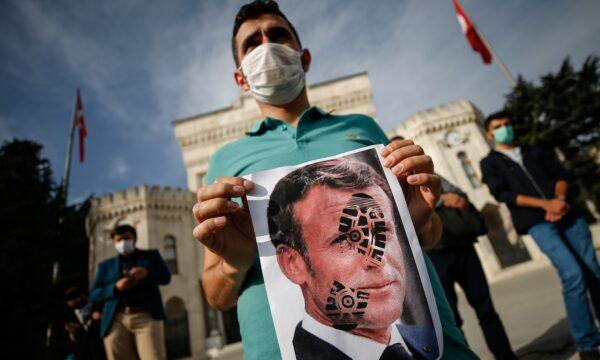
<point>38,231</point>
<point>562,111</point>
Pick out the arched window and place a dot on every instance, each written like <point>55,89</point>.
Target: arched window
<point>177,332</point>
<point>170,254</point>
<point>468,168</point>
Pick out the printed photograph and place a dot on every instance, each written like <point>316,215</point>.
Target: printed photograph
<point>342,265</point>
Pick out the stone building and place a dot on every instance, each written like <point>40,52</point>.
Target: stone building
<point>450,133</point>
<point>163,220</point>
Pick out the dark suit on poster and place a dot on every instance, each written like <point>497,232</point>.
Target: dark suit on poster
<point>421,342</point>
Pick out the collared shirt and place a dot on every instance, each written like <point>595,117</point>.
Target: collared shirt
<point>354,346</point>
<point>273,143</point>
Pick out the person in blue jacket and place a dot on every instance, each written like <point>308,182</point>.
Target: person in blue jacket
<point>127,284</point>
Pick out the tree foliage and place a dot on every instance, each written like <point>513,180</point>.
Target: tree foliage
<point>38,231</point>
<point>562,112</point>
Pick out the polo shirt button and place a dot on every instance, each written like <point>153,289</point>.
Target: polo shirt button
<point>426,348</point>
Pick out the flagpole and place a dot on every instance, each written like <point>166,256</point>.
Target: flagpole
<point>65,185</point>
<point>511,80</point>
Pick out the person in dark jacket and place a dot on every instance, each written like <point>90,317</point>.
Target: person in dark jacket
<point>456,261</point>
<point>127,284</point>
<point>537,190</point>
<point>83,326</point>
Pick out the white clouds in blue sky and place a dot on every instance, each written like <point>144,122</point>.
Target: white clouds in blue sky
<point>142,64</point>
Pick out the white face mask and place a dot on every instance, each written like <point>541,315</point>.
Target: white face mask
<point>125,247</point>
<point>274,73</point>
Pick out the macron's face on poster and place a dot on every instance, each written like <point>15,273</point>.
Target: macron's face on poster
<point>354,274</point>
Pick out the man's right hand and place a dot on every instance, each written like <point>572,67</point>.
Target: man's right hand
<point>556,209</point>
<point>225,228</point>
<point>556,206</point>
<point>125,283</point>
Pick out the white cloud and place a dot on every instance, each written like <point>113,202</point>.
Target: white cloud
<point>119,169</point>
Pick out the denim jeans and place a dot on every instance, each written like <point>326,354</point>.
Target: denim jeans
<point>569,246</point>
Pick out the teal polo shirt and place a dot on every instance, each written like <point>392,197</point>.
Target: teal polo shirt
<point>273,143</point>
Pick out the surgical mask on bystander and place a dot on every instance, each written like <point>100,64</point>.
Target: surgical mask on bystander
<point>125,247</point>
<point>504,135</point>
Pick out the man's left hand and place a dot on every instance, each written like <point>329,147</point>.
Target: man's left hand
<point>138,273</point>
<point>422,188</point>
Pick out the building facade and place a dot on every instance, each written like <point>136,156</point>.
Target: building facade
<point>451,133</point>
<point>163,220</point>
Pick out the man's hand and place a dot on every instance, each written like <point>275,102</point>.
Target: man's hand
<point>556,206</point>
<point>224,227</point>
<point>126,283</point>
<point>72,327</point>
<point>97,315</point>
<point>138,273</point>
<point>556,209</point>
<point>455,201</point>
<point>422,188</point>
<point>551,217</point>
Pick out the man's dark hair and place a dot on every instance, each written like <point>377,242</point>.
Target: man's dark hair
<point>502,114</point>
<point>122,230</point>
<point>254,10</point>
<point>340,174</point>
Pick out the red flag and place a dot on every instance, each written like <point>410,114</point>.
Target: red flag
<point>79,122</point>
<point>471,33</point>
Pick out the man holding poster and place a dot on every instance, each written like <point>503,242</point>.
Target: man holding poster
<point>271,65</point>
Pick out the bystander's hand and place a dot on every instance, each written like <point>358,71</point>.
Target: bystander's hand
<point>72,327</point>
<point>556,209</point>
<point>138,273</point>
<point>126,283</point>
<point>422,188</point>
<point>455,201</point>
<point>225,227</point>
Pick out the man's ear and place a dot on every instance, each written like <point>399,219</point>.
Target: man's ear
<point>292,264</point>
<point>306,59</point>
<point>240,80</point>
<point>489,135</point>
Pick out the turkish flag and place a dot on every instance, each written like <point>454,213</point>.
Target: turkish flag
<point>471,33</point>
<point>80,124</point>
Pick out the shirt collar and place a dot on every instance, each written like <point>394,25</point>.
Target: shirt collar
<point>313,113</point>
<point>354,346</point>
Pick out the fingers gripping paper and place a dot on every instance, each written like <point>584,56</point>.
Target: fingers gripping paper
<point>343,269</point>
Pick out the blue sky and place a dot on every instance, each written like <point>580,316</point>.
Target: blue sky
<point>141,64</point>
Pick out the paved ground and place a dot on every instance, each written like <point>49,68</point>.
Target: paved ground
<point>531,307</point>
